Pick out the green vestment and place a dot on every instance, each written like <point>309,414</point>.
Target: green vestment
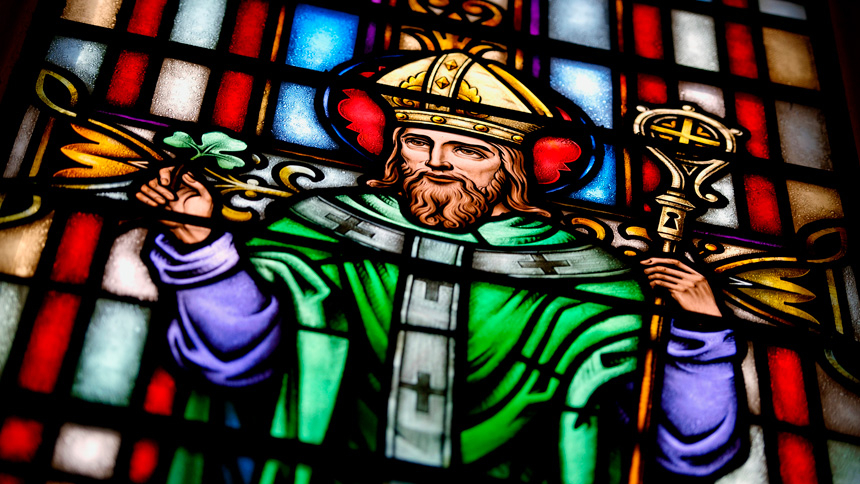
<point>517,355</point>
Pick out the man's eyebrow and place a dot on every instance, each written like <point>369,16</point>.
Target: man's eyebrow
<point>469,145</point>
<point>418,136</point>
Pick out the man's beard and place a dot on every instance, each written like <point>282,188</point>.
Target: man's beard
<point>454,204</point>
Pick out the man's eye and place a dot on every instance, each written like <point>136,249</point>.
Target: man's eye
<point>471,153</point>
<point>417,142</point>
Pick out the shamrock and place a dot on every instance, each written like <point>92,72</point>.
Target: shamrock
<point>214,144</point>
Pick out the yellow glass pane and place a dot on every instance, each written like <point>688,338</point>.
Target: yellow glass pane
<point>812,202</point>
<point>789,59</point>
<point>21,247</point>
<point>93,12</point>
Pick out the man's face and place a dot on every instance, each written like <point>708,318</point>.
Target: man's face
<point>446,158</point>
<point>449,180</point>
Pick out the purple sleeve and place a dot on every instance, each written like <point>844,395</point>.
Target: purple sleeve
<point>226,328</point>
<point>696,430</point>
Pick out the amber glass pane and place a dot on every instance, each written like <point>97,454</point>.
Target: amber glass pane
<point>789,58</point>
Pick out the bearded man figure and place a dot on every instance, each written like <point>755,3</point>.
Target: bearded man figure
<point>437,316</point>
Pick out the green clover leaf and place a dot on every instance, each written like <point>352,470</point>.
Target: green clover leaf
<point>214,144</point>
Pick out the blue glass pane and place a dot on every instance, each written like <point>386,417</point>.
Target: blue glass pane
<point>198,22</point>
<point>296,119</point>
<point>82,57</point>
<point>603,188</point>
<point>588,85</point>
<point>782,8</point>
<point>321,38</point>
<point>584,22</point>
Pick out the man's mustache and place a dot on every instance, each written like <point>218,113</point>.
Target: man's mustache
<point>434,175</point>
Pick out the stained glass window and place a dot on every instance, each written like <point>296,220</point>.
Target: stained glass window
<point>413,240</point>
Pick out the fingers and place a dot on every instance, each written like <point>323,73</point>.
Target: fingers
<point>145,199</point>
<point>672,286</point>
<point>160,189</point>
<point>666,270</point>
<point>678,283</point>
<point>196,185</point>
<point>669,262</point>
<point>152,195</point>
<point>164,175</point>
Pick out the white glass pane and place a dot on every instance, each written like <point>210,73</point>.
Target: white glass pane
<point>125,273</point>
<point>728,215</point>
<point>87,451</point>
<point>179,90</point>
<point>198,22</point>
<point>22,141</point>
<point>695,40</point>
<point>754,470</point>
<point>803,135</point>
<point>709,98</point>
<point>82,57</point>
<point>583,22</point>
<point>782,8</point>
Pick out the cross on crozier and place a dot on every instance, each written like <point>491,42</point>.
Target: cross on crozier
<point>539,262</point>
<point>349,224</point>
<point>431,288</point>
<point>424,390</point>
<point>686,134</point>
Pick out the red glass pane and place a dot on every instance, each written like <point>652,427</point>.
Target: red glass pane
<point>144,459</point>
<point>650,175</point>
<point>20,439</point>
<point>762,204</point>
<point>146,17</point>
<point>647,33</point>
<point>650,179</point>
<point>796,462</point>
<point>736,3</point>
<point>786,381</point>
<point>741,53</point>
<point>48,342</point>
<point>160,393</point>
<point>652,89</point>
<point>231,104</point>
<point>77,248</point>
<point>250,22</point>
<point>751,116</point>
<point>127,78</point>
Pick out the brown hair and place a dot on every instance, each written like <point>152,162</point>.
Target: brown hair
<point>513,167</point>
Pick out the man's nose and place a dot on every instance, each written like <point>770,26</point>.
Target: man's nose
<point>438,159</point>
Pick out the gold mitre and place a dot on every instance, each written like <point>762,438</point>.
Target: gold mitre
<point>457,75</point>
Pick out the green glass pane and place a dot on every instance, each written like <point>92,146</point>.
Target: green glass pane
<point>322,359</point>
<point>186,468</point>
<point>12,297</point>
<point>197,407</point>
<point>110,359</point>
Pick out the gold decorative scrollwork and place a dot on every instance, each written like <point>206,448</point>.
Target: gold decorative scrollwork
<point>251,188</point>
<point>483,12</point>
<point>413,83</point>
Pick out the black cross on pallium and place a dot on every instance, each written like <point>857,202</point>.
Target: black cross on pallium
<point>349,224</point>
<point>431,291</point>
<point>539,262</point>
<point>423,389</point>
